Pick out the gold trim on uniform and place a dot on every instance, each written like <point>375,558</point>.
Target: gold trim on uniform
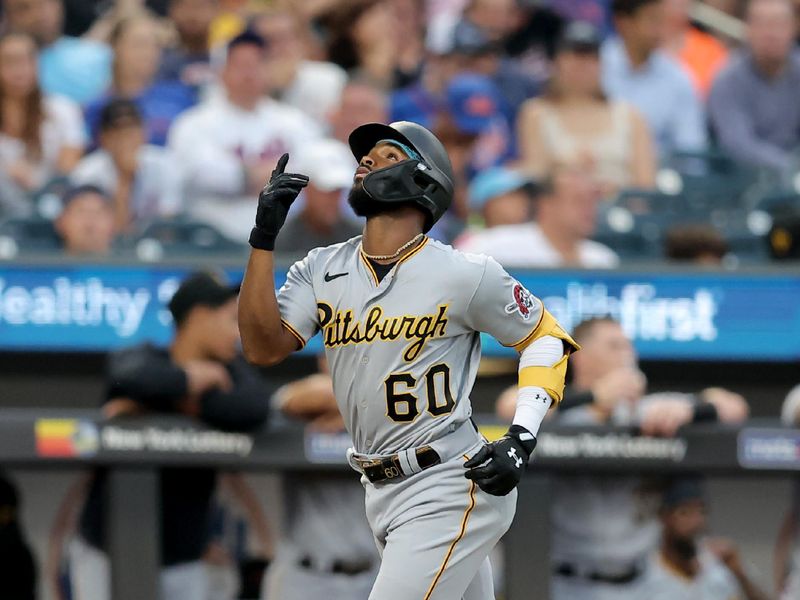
<point>294,332</point>
<point>460,535</point>
<point>415,250</point>
<point>402,260</point>
<point>371,269</point>
<point>547,325</point>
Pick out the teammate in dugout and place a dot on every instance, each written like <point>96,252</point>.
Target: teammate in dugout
<point>400,316</point>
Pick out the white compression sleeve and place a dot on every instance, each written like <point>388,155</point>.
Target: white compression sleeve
<point>532,401</point>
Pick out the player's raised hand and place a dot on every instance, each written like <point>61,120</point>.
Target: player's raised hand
<point>273,204</point>
<point>498,466</point>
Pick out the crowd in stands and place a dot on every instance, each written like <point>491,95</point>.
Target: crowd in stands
<point>177,112</point>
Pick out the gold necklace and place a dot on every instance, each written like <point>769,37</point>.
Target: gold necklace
<point>400,250</point>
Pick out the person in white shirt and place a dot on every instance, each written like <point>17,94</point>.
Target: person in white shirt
<point>142,179</point>
<point>687,568</point>
<point>228,145</point>
<point>314,87</point>
<point>41,136</point>
<point>566,215</point>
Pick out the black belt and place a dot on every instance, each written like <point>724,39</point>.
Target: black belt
<point>389,467</point>
<point>338,567</point>
<point>567,570</point>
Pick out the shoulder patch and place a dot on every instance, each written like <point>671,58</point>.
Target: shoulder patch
<point>522,301</point>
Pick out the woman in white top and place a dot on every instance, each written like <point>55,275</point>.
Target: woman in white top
<point>41,137</point>
<point>574,123</point>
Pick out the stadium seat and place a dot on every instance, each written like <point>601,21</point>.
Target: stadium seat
<point>634,222</point>
<point>708,180</point>
<point>182,237</point>
<point>28,235</point>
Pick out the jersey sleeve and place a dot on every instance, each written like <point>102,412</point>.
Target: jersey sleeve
<point>503,308</point>
<point>297,302</point>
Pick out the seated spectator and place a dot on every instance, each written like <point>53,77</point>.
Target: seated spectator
<point>700,53</point>
<point>200,374</point>
<point>636,70</point>
<point>314,87</point>
<point>498,196</point>
<point>532,45</point>
<point>574,121</point>
<point>698,244</point>
<point>141,178</point>
<point>475,50</point>
<point>360,102</point>
<point>566,215</point>
<point>604,530</point>
<point>73,67</point>
<point>686,567</point>
<point>476,137</point>
<point>329,166</point>
<point>495,18</point>
<point>228,146</point>
<point>19,565</point>
<point>361,39</point>
<point>420,101</point>
<point>86,222</point>
<point>502,196</point>
<point>611,385</point>
<point>189,61</point>
<point>137,54</point>
<point>596,12</point>
<point>753,104</point>
<point>41,136</point>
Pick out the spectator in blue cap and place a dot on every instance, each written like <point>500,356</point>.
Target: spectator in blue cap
<point>470,124</point>
<point>499,196</point>
<point>476,137</point>
<point>502,196</point>
<point>477,52</point>
<point>469,49</point>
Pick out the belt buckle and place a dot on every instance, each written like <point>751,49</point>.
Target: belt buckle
<point>379,469</point>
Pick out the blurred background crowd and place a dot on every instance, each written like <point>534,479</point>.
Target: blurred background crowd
<point>583,133</point>
<point>591,132</point>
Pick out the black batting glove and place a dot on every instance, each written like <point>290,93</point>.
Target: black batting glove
<point>273,205</point>
<point>498,467</point>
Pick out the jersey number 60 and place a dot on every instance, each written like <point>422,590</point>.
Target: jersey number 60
<point>401,407</point>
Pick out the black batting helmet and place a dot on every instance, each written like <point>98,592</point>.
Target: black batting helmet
<point>426,182</point>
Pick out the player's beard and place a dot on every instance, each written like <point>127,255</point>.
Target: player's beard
<point>362,203</point>
<point>365,205</point>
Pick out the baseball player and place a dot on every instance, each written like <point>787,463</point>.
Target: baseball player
<point>400,316</point>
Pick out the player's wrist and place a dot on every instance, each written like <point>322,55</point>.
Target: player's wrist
<point>524,437</point>
<point>262,240</point>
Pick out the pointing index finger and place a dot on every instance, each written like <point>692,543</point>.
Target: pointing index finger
<point>281,166</point>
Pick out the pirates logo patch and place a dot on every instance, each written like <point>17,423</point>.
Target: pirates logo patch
<point>523,302</point>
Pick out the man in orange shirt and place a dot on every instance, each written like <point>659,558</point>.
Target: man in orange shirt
<point>700,53</point>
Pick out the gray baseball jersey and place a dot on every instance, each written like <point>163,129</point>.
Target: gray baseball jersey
<point>404,352</point>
